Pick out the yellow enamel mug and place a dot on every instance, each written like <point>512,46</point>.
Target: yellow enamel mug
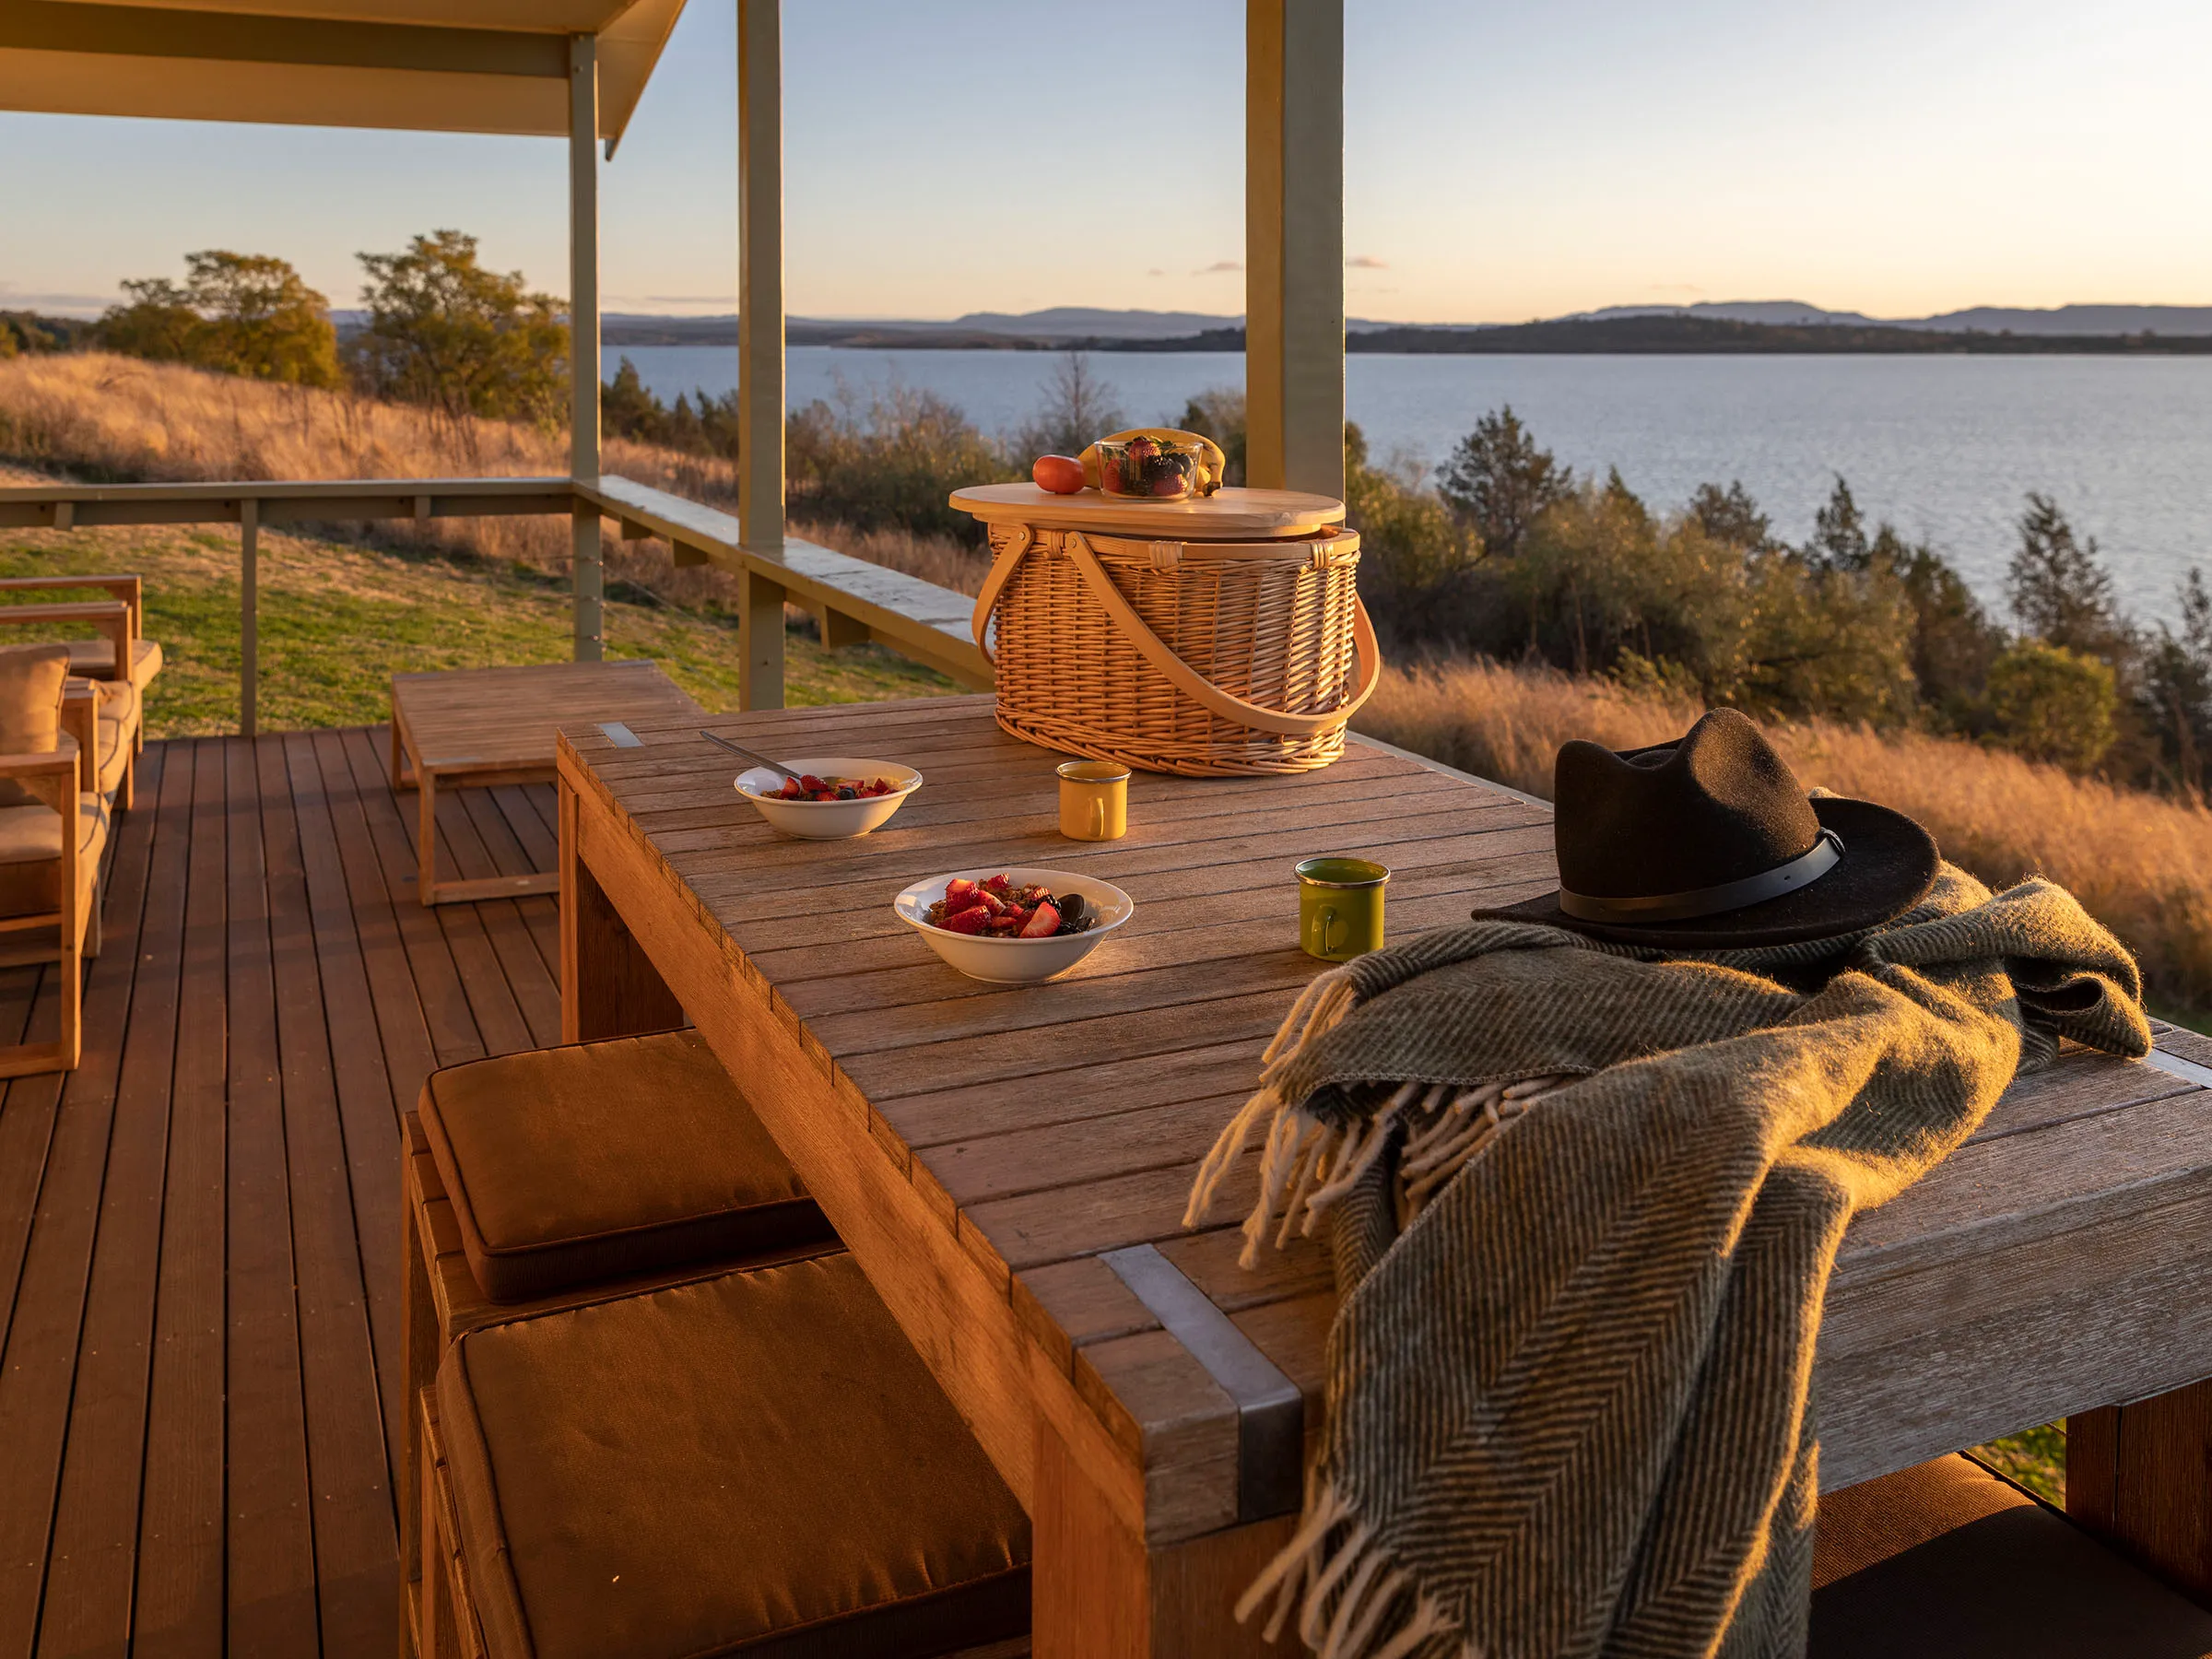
<point>1340,907</point>
<point>1094,800</point>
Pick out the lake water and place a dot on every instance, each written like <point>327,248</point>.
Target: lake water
<point>1944,447</point>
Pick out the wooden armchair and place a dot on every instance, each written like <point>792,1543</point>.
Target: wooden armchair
<point>96,658</point>
<point>50,852</point>
<point>108,720</point>
<point>53,832</point>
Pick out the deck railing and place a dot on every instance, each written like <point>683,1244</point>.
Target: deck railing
<point>851,599</point>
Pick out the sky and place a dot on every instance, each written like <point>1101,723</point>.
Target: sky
<point>1502,162</point>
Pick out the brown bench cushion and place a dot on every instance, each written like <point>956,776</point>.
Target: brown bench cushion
<point>1946,1561</point>
<point>755,1463</point>
<point>575,1166</point>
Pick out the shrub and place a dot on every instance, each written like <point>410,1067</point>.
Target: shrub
<point>893,462</point>
<point>2053,704</point>
<point>237,313</point>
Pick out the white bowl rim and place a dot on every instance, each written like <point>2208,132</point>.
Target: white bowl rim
<point>923,926</point>
<point>914,781</point>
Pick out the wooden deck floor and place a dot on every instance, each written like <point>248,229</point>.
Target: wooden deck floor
<point>199,1229</point>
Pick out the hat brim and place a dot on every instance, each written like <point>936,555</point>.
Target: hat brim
<point>1889,865</point>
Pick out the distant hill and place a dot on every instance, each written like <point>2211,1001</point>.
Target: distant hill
<point>2068,320</point>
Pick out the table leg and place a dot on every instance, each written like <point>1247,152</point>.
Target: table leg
<point>426,839</point>
<point>608,986</point>
<point>1097,1593</point>
<point>2141,1475</point>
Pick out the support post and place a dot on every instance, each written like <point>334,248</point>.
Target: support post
<point>583,337</point>
<point>761,338</point>
<point>1294,245</point>
<point>249,616</point>
<point>760,642</point>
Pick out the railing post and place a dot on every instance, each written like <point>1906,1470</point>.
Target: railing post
<point>760,339</point>
<point>249,616</point>
<point>760,642</point>
<point>1294,245</point>
<point>583,338</point>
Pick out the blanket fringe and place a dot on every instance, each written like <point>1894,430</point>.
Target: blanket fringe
<point>1306,1573</point>
<point>1306,1165</point>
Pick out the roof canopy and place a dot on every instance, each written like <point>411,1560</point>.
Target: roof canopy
<point>436,65</point>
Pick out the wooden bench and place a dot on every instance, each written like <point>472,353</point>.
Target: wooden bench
<point>491,726</point>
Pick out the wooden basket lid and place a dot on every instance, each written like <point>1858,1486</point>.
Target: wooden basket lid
<point>1226,515</point>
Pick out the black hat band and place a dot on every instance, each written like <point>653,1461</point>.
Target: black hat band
<point>1801,871</point>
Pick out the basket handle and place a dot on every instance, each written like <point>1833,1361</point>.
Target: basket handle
<point>1195,685</point>
<point>1001,571</point>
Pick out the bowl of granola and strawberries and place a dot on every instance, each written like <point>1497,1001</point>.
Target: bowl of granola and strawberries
<point>1013,927</point>
<point>833,796</point>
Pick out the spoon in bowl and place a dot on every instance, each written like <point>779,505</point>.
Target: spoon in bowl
<point>744,754</point>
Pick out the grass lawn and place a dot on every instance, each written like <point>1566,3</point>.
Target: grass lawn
<point>338,620</point>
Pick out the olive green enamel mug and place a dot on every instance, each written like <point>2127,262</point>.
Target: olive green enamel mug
<point>1340,907</point>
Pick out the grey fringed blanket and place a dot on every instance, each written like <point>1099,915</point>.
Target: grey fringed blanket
<point>1586,1201</point>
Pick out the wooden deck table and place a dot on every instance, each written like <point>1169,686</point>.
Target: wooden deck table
<point>486,727</point>
<point>1009,1165</point>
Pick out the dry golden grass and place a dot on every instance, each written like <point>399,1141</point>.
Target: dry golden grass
<point>97,417</point>
<point>2141,863</point>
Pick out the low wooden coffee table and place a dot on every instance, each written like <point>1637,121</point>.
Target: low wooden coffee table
<point>487,727</point>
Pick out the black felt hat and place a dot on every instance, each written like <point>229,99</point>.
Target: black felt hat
<point>1711,844</point>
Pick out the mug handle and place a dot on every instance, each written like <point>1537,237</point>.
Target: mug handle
<point>1098,817</point>
<point>1328,919</point>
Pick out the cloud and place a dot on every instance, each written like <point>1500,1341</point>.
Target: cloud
<point>1220,267</point>
<point>1366,262</point>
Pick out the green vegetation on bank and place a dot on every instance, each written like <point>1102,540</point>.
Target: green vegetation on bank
<point>338,620</point>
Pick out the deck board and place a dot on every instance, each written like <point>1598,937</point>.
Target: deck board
<point>199,1236</point>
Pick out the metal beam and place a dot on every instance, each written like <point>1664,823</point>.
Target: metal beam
<point>1294,245</point>
<point>584,340</point>
<point>233,36</point>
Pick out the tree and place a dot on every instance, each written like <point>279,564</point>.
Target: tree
<point>1077,408</point>
<point>445,332</point>
<point>2053,704</point>
<point>1839,534</point>
<point>1220,413</point>
<point>2059,593</point>
<point>158,322</point>
<point>1499,482</point>
<point>237,313</point>
<point>2176,691</point>
<point>1732,516</point>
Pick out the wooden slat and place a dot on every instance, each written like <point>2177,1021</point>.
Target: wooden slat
<point>269,1556</point>
<point>94,1547</point>
<point>179,1594</point>
<point>376,1025</point>
<point>350,1493</point>
<point>40,1368</point>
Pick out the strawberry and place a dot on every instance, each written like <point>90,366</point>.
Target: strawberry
<point>1043,923</point>
<point>1000,884</point>
<point>812,784</point>
<point>959,888</point>
<point>973,920</point>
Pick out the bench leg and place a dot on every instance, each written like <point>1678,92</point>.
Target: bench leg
<point>2140,1475</point>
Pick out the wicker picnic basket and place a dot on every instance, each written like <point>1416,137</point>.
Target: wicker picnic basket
<point>1170,654</point>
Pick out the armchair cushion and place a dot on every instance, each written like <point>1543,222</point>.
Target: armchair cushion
<point>31,854</point>
<point>119,715</point>
<point>30,711</point>
<point>95,659</point>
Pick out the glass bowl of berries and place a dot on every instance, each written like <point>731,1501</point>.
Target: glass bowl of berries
<point>1013,927</point>
<point>1157,466</point>
<point>833,798</point>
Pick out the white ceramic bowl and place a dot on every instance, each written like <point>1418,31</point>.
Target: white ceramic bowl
<point>829,820</point>
<point>1016,961</point>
